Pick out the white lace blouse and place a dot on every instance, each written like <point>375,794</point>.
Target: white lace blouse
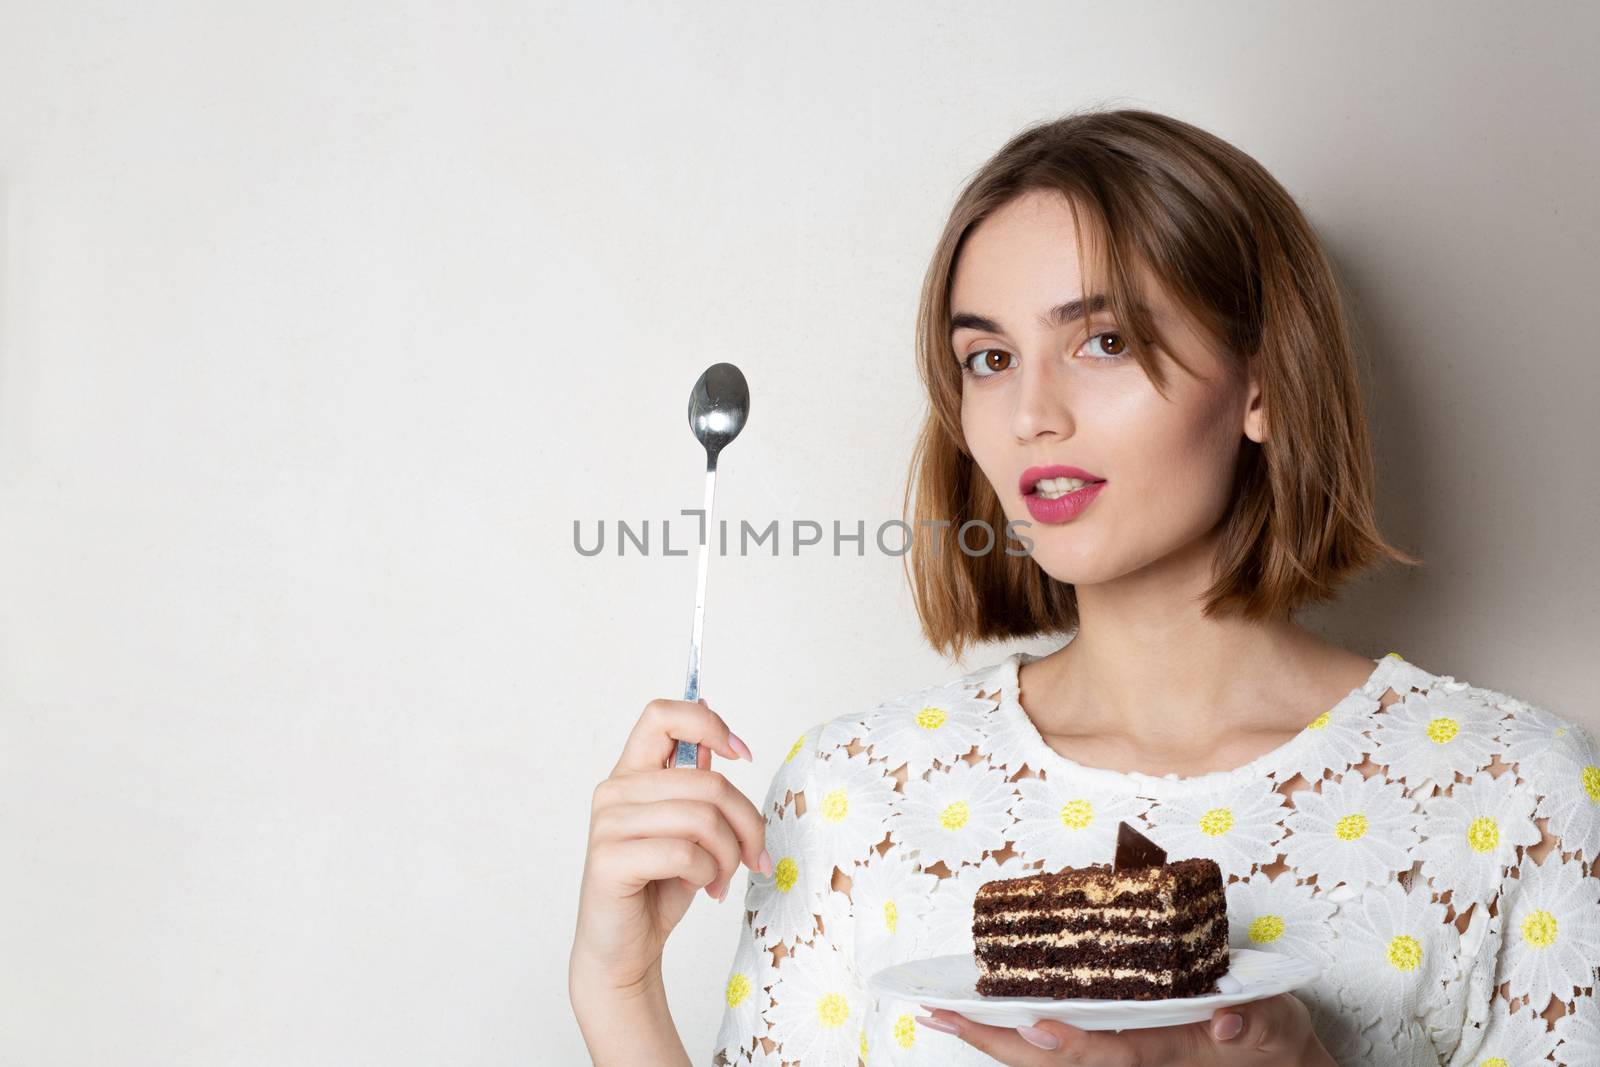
<point>1429,842</point>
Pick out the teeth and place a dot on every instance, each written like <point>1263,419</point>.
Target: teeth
<point>1056,488</point>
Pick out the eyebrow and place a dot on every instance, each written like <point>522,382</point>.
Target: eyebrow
<point>1060,315</point>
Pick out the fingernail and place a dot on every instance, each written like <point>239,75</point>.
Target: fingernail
<point>1038,1038</point>
<point>938,1024</point>
<point>764,862</point>
<point>724,894</point>
<point>740,747</point>
<point>1228,1026</point>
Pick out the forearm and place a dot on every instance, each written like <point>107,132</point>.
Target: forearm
<point>625,1027</point>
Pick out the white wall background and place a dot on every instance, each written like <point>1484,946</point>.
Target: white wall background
<point>321,322</point>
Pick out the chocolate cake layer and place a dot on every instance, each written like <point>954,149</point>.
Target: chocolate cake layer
<point>1098,884</point>
<point>1081,929</point>
<point>1152,954</point>
<point>1106,985</point>
<point>1143,920</point>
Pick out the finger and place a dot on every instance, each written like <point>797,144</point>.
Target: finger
<point>625,867</point>
<point>1000,1043</point>
<point>692,820</point>
<point>664,722</point>
<point>702,755</point>
<point>1227,1024</point>
<point>687,783</point>
<point>1276,1023</point>
<point>1117,1048</point>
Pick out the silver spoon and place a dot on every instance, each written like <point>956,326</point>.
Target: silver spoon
<point>719,403</point>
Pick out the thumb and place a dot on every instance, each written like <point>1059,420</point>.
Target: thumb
<point>1279,1023</point>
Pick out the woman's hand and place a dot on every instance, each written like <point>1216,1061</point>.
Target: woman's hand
<point>1274,1032</point>
<point>656,835</point>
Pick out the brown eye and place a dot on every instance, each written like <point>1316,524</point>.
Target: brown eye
<point>1111,343</point>
<point>989,361</point>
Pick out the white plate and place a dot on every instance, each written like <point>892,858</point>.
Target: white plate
<point>952,982</point>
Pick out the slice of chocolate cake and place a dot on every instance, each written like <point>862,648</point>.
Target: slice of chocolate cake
<point>1137,929</point>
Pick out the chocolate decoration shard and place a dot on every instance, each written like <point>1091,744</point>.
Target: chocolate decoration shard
<point>1136,850</point>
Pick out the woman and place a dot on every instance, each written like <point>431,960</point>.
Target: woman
<point>1133,342</point>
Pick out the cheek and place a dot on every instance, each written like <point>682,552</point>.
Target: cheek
<point>980,438</point>
<point>1190,463</point>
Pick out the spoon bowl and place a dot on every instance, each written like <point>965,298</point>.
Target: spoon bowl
<point>719,403</point>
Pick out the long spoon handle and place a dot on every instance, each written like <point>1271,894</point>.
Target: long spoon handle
<point>687,754</point>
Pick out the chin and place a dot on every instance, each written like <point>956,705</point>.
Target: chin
<point>1069,567</point>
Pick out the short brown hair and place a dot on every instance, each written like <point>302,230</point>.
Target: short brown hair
<point>1234,250</point>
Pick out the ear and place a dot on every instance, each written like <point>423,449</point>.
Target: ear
<point>1255,410</point>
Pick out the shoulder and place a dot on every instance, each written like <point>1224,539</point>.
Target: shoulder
<point>1556,756</point>
<point>1549,754</point>
<point>1529,729</point>
<point>928,707</point>
<point>939,720</point>
<point>1534,739</point>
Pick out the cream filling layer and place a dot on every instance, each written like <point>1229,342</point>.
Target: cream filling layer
<point>1062,938</point>
<point>1084,975</point>
<point>1088,974</point>
<point>1207,902</point>
<point>1098,892</point>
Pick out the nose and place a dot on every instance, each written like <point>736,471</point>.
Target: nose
<point>1040,406</point>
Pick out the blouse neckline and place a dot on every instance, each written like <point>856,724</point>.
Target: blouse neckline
<point>1363,700</point>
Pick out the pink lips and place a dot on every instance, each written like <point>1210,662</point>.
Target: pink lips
<point>1062,509</point>
<point>1033,475</point>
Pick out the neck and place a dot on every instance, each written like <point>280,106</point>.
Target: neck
<point>1146,663</point>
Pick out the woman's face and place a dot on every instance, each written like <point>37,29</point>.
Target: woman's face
<point>1070,393</point>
